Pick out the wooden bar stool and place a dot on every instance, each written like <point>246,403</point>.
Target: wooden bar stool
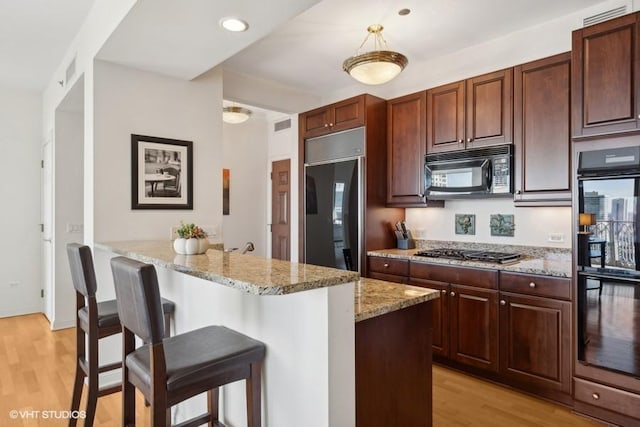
<point>170,370</point>
<point>94,320</point>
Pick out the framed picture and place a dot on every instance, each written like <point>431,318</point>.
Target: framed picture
<point>465,224</point>
<point>161,173</point>
<point>502,225</point>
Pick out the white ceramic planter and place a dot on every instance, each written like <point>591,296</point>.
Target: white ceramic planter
<point>190,246</point>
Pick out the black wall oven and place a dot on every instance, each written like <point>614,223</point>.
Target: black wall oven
<point>608,257</point>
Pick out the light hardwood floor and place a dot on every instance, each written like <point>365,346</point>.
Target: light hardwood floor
<point>37,368</point>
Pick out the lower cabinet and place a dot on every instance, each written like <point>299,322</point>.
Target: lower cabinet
<point>465,317</point>
<point>389,269</point>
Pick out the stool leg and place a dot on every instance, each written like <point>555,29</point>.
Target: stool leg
<point>212,406</point>
<point>79,379</point>
<point>254,403</point>
<point>128,390</point>
<point>92,375</point>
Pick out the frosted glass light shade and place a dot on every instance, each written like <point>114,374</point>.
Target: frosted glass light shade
<point>235,115</point>
<point>374,68</point>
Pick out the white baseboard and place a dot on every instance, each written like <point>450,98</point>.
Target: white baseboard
<point>20,311</point>
<point>63,324</point>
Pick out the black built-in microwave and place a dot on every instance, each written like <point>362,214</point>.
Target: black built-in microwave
<point>475,173</point>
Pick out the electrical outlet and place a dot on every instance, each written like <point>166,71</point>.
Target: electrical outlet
<point>556,237</point>
<point>211,230</point>
<point>13,284</point>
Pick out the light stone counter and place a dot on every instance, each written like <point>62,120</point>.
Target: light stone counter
<point>551,263</point>
<point>376,297</point>
<point>246,273</point>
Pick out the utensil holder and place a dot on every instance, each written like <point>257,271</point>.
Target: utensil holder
<point>405,243</point>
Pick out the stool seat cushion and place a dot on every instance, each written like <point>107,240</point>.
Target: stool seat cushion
<point>197,355</point>
<point>108,312</point>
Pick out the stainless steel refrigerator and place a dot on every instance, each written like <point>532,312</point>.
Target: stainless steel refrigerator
<point>334,189</point>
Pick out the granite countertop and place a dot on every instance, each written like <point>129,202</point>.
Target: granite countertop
<point>376,297</point>
<point>536,260</point>
<point>246,273</point>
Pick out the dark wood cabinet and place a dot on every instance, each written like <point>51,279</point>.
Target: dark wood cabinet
<point>542,134</point>
<point>535,334</point>
<point>389,269</point>
<point>406,148</point>
<point>475,113</point>
<point>605,78</point>
<point>465,317</point>
<point>342,115</point>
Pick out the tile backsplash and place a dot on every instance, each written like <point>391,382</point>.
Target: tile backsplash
<point>539,226</point>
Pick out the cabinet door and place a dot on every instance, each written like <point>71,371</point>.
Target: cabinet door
<point>474,326</point>
<point>348,114</point>
<point>316,122</point>
<point>445,118</point>
<point>406,147</point>
<point>489,109</point>
<point>542,133</point>
<point>535,342</point>
<point>605,77</point>
<point>440,336</point>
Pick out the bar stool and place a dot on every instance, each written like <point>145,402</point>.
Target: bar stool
<point>170,370</point>
<point>94,320</point>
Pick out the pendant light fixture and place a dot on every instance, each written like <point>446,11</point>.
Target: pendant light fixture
<point>377,66</point>
<point>235,115</point>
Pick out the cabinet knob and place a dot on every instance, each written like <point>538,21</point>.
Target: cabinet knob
<point>460,141</point>
<point>503,302</point>
<point>444,291</point>
<point>330,124</point>
<point>532,285</point>
<point>453,294</point>
<point>596,396</point>
<point>469,139</point>
<point>386,265</point>
<point>518,191</point>
<point>420,195</point>
<point>326,125</point>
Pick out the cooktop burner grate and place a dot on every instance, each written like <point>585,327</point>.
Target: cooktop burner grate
<point>471,255</point>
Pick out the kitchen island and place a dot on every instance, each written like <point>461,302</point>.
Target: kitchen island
<point>304,314</point>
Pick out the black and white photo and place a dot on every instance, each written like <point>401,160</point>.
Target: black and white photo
<point>162,173</point>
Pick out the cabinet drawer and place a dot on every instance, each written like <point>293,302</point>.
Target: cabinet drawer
<point>529,284</point>
<point>606,397</point>
<point>457,275</point>
<point>399,267</point>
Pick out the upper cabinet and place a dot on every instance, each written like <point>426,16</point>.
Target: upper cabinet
<point>605,78</point>
<point>474,113</point>
<point>406,150</point>
<point>342,115</point>
<point>541,132</point>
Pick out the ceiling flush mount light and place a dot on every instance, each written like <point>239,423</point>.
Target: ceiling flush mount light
<point>377,66</point>
<point>235,25</point>
<point>235,115</point>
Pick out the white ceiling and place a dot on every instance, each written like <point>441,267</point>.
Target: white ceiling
<point>307,52</point>
<point>34,35</point>
<point>183,39</point>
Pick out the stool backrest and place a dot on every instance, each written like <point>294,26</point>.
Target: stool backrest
<point>82,272</point>
<point>138,298</point>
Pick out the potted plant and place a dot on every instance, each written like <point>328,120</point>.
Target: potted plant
<point>192,240</point>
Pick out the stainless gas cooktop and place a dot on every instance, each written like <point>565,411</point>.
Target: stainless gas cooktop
<point>471,255</point>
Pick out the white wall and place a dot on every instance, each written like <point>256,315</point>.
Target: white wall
<point>128,101</point>
<point>69,201</point>
<point>244,154</point>
<point>20,141</point>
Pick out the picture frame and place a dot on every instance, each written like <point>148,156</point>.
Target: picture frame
<point>465,224</point>
<point>161,173</point>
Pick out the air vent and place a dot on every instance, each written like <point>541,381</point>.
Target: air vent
<point>71,70</point>
<point>605,16</point>
<point>282,125</point>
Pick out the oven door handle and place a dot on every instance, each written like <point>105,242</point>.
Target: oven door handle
<point>489,175</point>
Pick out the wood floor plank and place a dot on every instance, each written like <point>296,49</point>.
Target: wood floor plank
<point>37,369</point>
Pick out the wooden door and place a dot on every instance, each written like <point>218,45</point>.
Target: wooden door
<point>406,146</point>
<point>474,326</point>
<point>535,341</point>
<point>605,77</point>
<point>445,118</point>
<point>281,209</point>
<point>542,134</point>
<point>489,109</point>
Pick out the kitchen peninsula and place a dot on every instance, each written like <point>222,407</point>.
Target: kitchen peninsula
<point>307,318</point>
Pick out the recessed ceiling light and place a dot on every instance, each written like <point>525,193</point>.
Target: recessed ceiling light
<point>404,12</point>
<point>234,24</point>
